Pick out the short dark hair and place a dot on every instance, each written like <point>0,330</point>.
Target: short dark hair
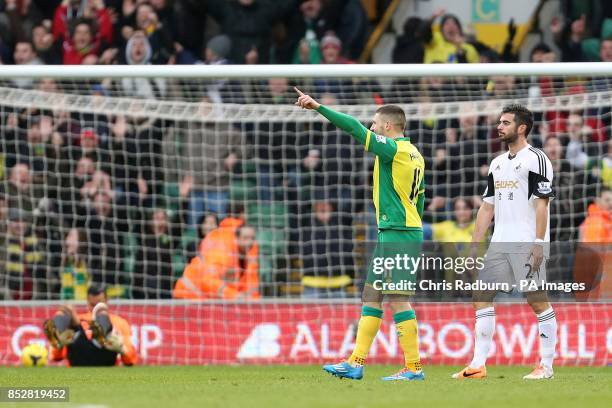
<point>522,116</point>
<point>96,289</point>
<point>395,113</point>
<point>79,21</point>
<point>540,47</point>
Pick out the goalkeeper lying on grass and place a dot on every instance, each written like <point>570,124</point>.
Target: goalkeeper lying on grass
<point>95,338</point>
<point>399,200</point>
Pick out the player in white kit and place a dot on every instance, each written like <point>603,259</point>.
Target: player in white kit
<point>518,191</point>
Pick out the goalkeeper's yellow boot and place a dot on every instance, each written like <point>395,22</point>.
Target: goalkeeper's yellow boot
<point>471,373</point>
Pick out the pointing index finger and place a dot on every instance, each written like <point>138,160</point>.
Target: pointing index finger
<point>298,91</point>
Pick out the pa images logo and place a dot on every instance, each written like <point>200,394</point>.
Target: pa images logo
<point>544,187</point>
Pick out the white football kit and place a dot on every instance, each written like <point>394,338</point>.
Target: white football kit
<point>513,185</point>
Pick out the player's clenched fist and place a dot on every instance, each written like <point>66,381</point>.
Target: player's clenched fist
<point>306,101</point>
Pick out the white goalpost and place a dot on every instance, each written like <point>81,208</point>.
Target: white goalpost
<point>115,175</point>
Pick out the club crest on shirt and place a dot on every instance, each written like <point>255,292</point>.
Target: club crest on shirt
<point>517,168</point>
<point>414,156</point>
<point>381,139</point>
<point>544,187</point>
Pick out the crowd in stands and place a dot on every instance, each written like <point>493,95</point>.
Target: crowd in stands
<point>156,208</point>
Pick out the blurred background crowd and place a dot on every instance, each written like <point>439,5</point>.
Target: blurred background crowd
<point>157,208</point>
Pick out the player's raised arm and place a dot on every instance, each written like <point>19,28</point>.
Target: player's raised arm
<point>343,121</point>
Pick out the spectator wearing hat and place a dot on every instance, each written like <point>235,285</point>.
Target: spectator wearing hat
<point>216,52</point>
<point>24,261</point>
<point>331,49</point>
<point>89,146</point>
<point>138,51</point>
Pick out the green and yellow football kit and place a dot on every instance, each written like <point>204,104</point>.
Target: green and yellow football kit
<point>399,200</point>
<point>398,193</point>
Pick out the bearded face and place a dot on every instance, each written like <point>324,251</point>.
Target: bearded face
<point>507,128</point>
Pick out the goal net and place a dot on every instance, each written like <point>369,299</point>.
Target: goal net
<point>138,183</point>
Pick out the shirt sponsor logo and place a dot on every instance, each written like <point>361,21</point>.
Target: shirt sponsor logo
<point>506,184</point>
<point>381,139</point>
<point>544,187</point>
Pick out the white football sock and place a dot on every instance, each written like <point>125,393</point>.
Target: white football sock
<point>547,327</point>
<point>483,335</point>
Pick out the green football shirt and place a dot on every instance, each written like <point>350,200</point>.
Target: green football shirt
<point>398,178</point>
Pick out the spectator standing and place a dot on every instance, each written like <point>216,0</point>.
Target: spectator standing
<point>602,168</point>
<point>158,35</point>
<point>104,232</point>
<point>410,46</point>
<point>74,271</point>
<point>153,278</point>
<point>24,260</point>
<point>248,23</point>
<point>82,47</point>
<point>562,210</point>
<point>222,146</point>
<point>69,10</point>
<point>138,51</point>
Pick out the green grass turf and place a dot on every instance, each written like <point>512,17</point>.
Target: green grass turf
<point>309,386</point>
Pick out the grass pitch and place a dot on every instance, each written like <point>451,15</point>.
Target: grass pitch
<point>309,386</point>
